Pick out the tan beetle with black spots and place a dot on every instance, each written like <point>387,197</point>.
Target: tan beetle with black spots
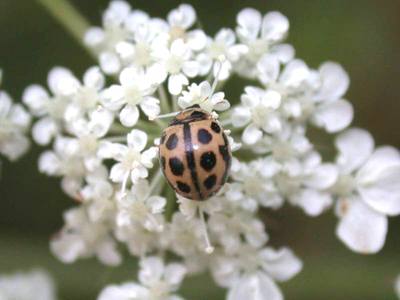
<point>194,154</point>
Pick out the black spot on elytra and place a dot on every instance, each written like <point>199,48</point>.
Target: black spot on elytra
<point>208,160</point>
<point>162,159</point>
<point>215,127</point>
<point>198,114</point>
<point>224,151</point>
<point>210,181</point>
<point>176,166</point>
<point>172,142</point>
<point>183,187</point>
<point>204,136</point>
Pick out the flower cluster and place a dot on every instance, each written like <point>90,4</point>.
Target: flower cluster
<point>104,143</point>
<point>35,284</point>
<point>14,123</point>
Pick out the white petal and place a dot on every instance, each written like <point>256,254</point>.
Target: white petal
<point>240,116</point>
<point>118,172</point>
<point>151,270</point>
<point>126,291</point>
<point>67,248</point>
<point>190,68</point>
<point>61,81</point>
<point>175,83</point>
<point>322,177</point>
<point>362,229</point>
<point>281,264</point>
<point>112,150</point>
<point>312,202</point>
<point>100,122</point>
<point>174,273</point>
<point>355,146</point>
<point>283,52</point>
<point>274,26</point>
<point>36,98</point>
<point>129,76</point>
<point>334,115</point>
<point>19,117</point>
<point>113,97</point>
<point>249,21</point>
<point>137,139</point>
<point>196,39</point>
<point>93,78</point>
<point>94,36</point>
<point>268,68</point>
<point>335,82</point>
<point>109,62</point>
<point>148,156</point>
<point>129,115</point>
<point>150,106</point>
<point>156,204</point>
<point>225,36</point>
<point>44,130</point>
<point>255,287</point>
<point>108,254</point>
<point>251,135</point>
<point>379,181</point>
<point>183,16</point>
<point>295,73</point>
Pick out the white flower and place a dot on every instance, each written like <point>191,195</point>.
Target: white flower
<point>177,62</point>
<point>223,45</point>
<point>332,112</point>
<point>368,189</point>
<point>88,134</point>
<point>253,185</point>
<point>87,95</point>
<point>35,284</point>
<point>258,110</point>
<point>132,161</point>
<point>261,35</point>
<point>103,40</point>
<point>64,162</point>
<point>81,238</point>
<point>201,94</point>
<point>179,21</point>
<point>136,88</point>
<point>250,274</point>
<point>157,282</point>
<point>14,123</point>
<point>140,206</point>
<point>50,109</point>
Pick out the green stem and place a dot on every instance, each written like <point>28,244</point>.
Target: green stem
<point>171,203</point>
<point>165,107</point>
<point>70,18</point>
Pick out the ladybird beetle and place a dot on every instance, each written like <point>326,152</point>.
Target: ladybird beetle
<point>194,154</point>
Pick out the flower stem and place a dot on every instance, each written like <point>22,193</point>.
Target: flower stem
<point>171,203</point>
<point>70,18</point>
<point>165,107</point>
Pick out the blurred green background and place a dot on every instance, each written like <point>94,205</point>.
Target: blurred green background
<point>363,35</point>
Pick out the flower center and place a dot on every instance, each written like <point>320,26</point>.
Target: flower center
<point>131,159</point>
<point>88,144</point>
<point>87,98</point>
<point>142,54</point>
<point>345,185</point>
<point>133,95</point>
<point>174,64</point>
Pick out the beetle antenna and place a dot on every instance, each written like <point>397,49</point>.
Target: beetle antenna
<point>218,63</point>
<point>209,248</point>
<point>164,116</point>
